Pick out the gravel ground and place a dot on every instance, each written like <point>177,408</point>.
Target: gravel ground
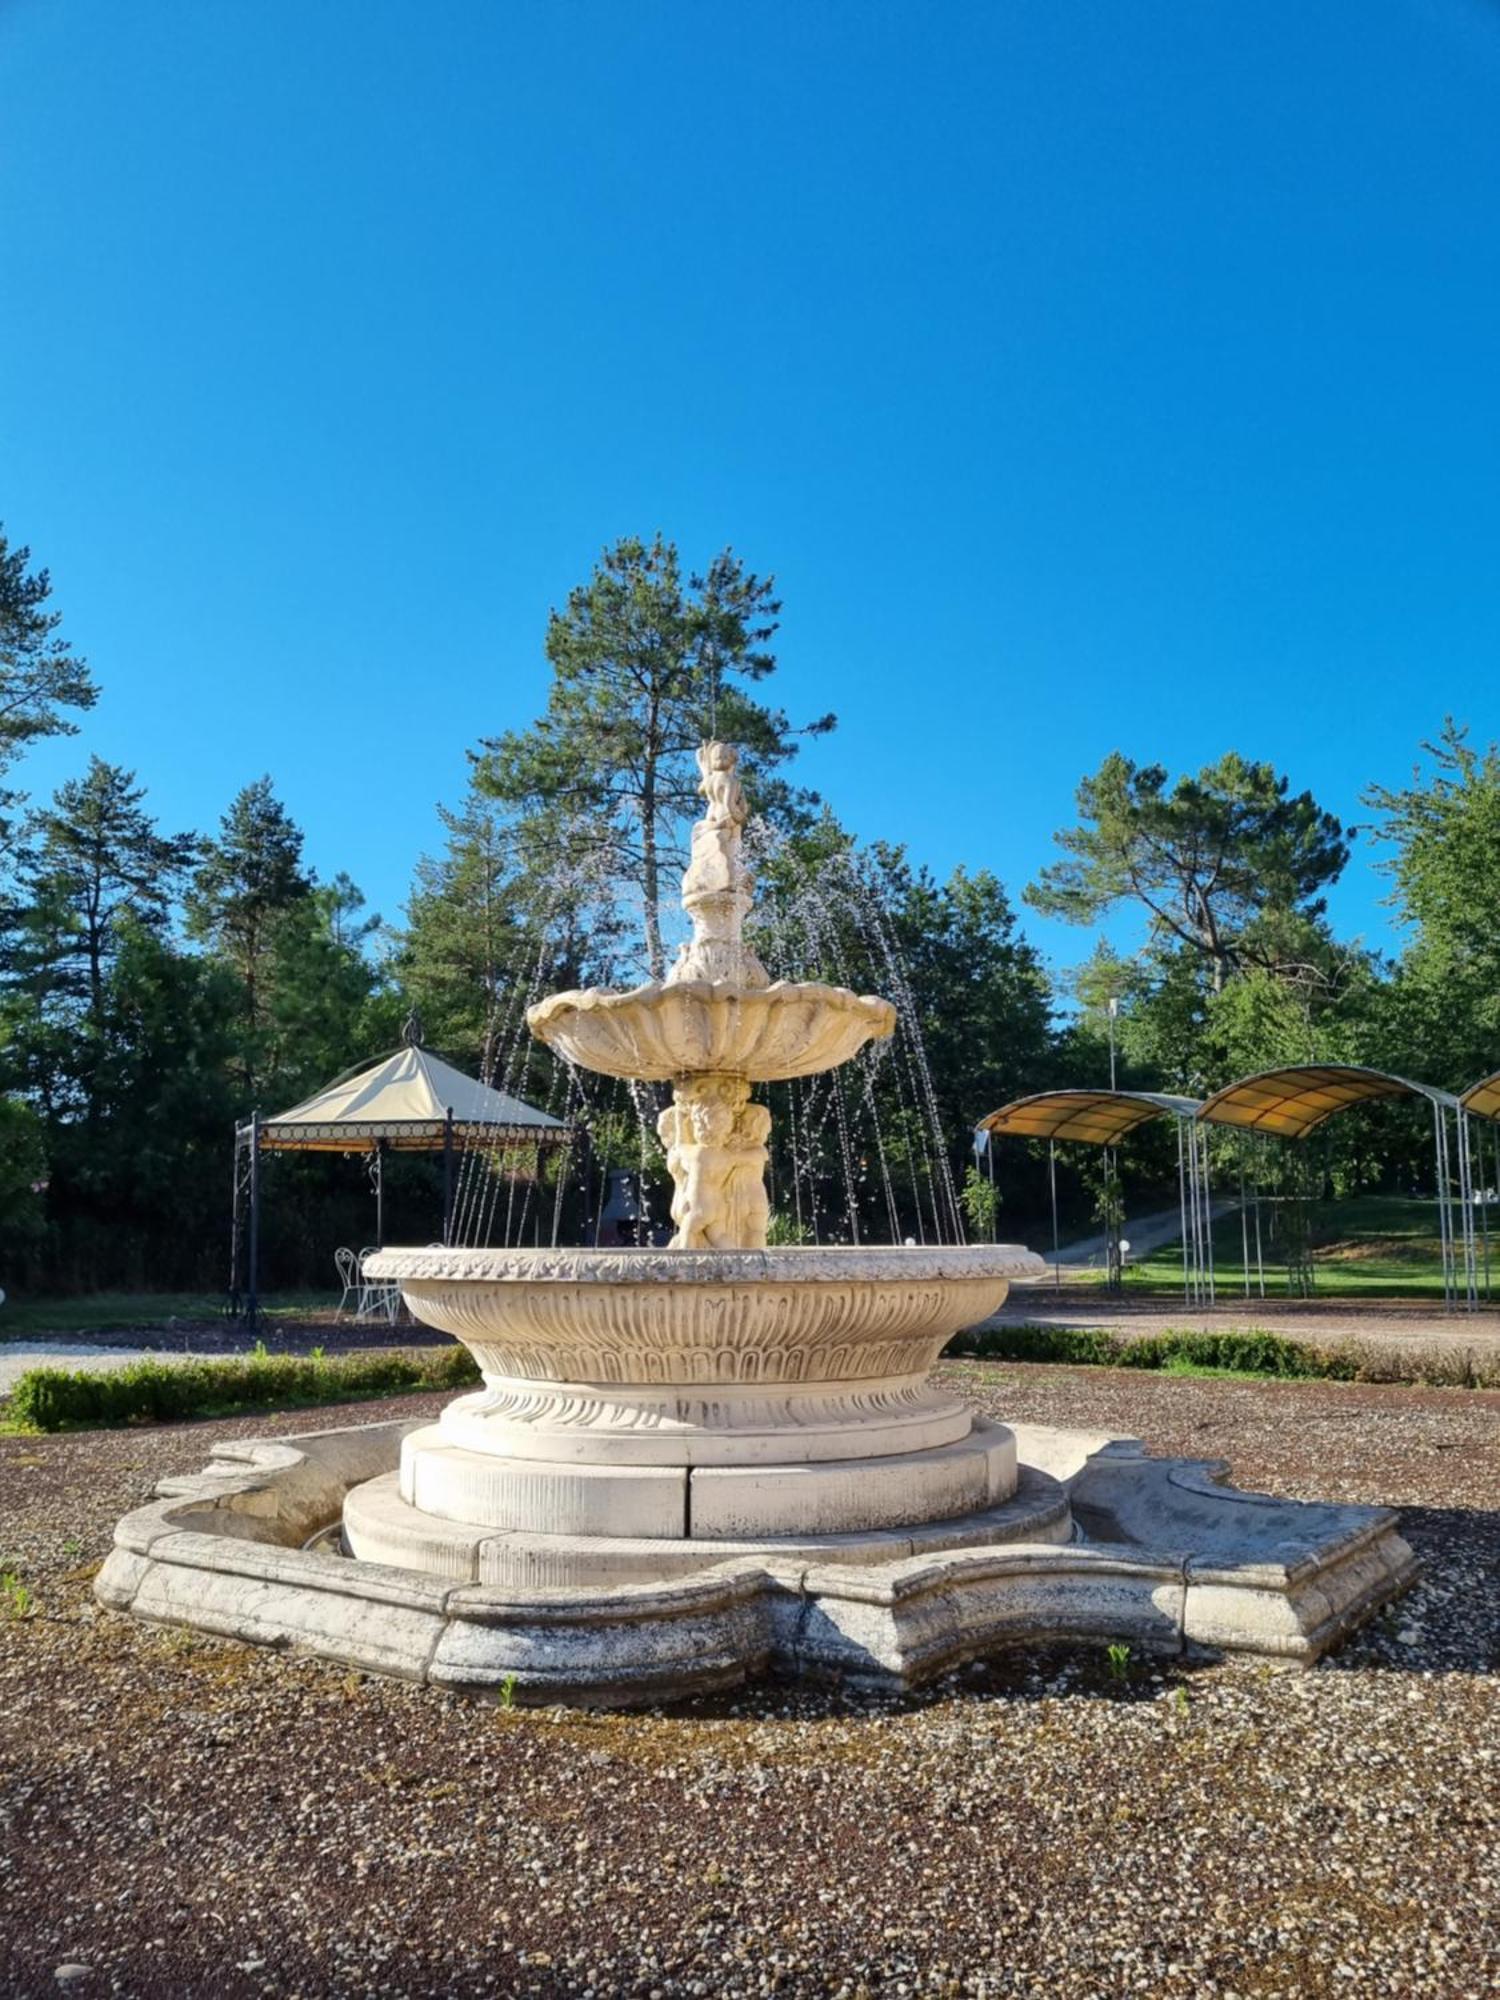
<point>188,1817</point>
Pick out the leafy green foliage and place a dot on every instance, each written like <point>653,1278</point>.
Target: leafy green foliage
<point>980,1199</point>
<point>1444,830</point>
<point>1247,1353</point>
<point>159,1392</point>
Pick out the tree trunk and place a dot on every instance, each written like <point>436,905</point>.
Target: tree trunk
<point>656,957</point>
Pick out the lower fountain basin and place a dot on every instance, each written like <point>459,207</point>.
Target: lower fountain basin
<point>633,1392</point>
<point>1165,1556</point>
<point>678,1358</point>
<point>728,1318</point>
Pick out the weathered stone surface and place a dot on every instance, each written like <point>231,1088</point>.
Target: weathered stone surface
<point>724,1424</point>
<point>1213,1568</point>
<point>849,1496</point>
<point>492,1492</point>
<point>627,1320</point>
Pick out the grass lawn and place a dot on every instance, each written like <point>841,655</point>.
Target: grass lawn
<point>110,1312</point>
<point>1374,1246</point>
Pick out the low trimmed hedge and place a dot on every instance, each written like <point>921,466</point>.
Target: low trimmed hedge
<point>1245,1353</point>
<point>159,1392</point>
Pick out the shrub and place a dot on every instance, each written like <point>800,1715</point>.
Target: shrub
<point>1244,1353</point>
<point>54,1399</point>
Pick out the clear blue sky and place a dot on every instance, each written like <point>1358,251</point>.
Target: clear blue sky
<point>1091,376</point>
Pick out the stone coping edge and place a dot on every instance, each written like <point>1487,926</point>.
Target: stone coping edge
<point>800,1264</point>
<point>220,1552</point>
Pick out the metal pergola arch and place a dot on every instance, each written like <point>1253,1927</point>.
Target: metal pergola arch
<point>1293,1101</point>
<point>1103,1118</point>
<point>1482,1100</point>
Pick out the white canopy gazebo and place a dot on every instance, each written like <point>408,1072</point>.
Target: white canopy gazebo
<point>411,1101</point>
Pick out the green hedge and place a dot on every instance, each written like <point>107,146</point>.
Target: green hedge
<point>55,1399</point>
<point>1247,1353</point>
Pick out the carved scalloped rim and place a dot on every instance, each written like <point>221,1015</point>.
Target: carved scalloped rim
<point>780,993</point>
<point>800,1264</point>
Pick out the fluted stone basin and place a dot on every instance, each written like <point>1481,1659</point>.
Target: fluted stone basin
<point>661,1032</point>
<point>695,1395</point>
<point>705,1357</point>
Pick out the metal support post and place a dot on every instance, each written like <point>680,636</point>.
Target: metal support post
<point>1445,1219</point>
<point>1052,1176</point>
<point>1466,1205</point>
<point>252,1283</point>
<point>448,1178</point>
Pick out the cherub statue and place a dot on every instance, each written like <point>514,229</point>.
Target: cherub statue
<point>749,1203</point>
<point>698,1134</point>
<point>719,783</point>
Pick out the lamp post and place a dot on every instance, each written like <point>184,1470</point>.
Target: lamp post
<point>1114,1008</point>
<point>1113,1259</point>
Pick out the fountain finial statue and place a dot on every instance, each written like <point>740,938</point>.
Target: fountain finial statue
<point>717,890</point>
<point>712,1028</point>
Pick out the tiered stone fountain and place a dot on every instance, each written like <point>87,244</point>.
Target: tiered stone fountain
<point>692,1464</point>
<point>647,1411</point>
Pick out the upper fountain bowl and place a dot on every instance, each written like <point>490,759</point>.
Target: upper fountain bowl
<point>656,1033</point>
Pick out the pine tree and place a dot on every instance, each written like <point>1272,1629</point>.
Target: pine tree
<point>40,675</point>
<point>248,880</point>
<point>96,855</point>
<point>645,665</point>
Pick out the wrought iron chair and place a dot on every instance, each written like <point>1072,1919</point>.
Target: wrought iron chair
<point>347,1265</point>
<point>379,1298</point>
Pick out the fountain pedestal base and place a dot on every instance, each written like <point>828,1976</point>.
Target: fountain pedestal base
<point>453,1511</point>
<point>1158,1553</point>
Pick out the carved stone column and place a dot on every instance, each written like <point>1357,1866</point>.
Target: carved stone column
<point>716,1142</point>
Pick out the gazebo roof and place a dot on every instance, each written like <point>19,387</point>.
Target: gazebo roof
<point>1483,1098</point>
<point>1096,1117</point>
<point>405,1100</point>
<point>1293,1102</point>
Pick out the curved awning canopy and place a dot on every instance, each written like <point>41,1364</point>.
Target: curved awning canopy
<point>1483,1098</point>
<point>404,1101</point>
<point>1094,1117</point>
<point>1295,1101</point>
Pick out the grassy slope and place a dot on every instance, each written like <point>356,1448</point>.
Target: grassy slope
<point>1373,1246</point>
<point>109,1312</point>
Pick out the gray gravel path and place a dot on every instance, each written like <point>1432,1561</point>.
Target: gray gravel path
<point>187,1817</point>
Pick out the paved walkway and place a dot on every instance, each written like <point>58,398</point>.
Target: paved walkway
<point>1387,1323</point>
<point>1144,1233</point>
<point>17,1357</point>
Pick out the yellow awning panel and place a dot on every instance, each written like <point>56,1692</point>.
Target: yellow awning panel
<point>1293,1102</point>
<point>1483,1098</point>
<point>405,1101</point>
<point>1093,1117</point>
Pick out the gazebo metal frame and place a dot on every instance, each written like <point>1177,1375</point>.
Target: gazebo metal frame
<point>1292,1102</point>
<point>1104,1118</point>
<point>1288,1103</point>
<point>375,1137</point>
